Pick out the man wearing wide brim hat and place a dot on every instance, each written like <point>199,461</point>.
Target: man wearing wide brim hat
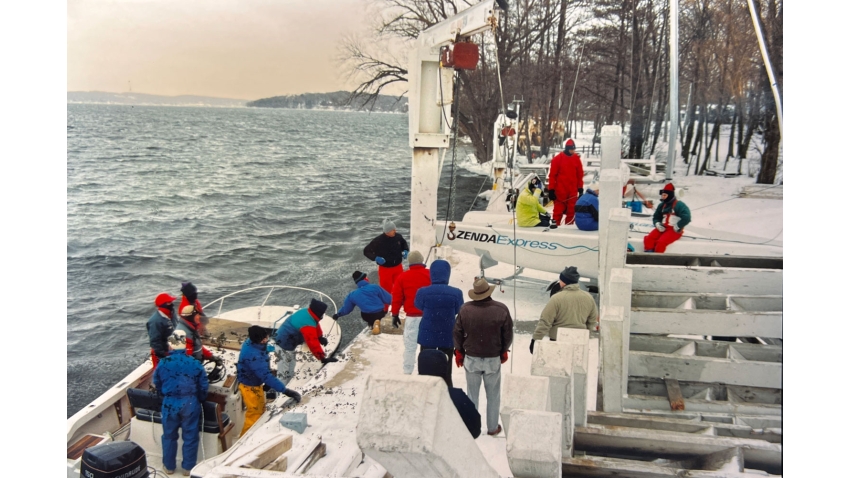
<point>482,337</point>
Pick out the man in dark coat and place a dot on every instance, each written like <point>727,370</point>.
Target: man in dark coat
<point>433,362</point>
<point>183,383</point>
<point>482,337</point>
<point>387,250</point>
<point>161,326</point>
<point>439,303</point>
<point>587,210</point>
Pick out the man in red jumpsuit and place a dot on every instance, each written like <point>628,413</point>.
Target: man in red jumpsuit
<point>566,178</point>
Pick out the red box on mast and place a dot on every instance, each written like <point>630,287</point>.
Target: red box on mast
<point>460,56</point>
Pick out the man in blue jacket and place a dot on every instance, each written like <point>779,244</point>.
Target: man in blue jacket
<point>183,383</point>
<point>372,300</point>
<point>253,371</point>
<point>439,303</point>
<point>587,209</point>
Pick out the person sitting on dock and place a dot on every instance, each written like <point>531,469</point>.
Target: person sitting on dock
<point>190,323</point>
<point>439,303</point>
<point>587,209</point>
<point>566,179</point>
<point>253,371</point>
<point>404,293</point>
<point>434,363</point>
<point>670,219</point>
<point>529,212</point>
<point>482,336</point>
<point>571,307</point>
<point>388,250</point>
<point>301,327</point>
<point>160,326</point>
<point>371,299</point>
<point>182,381</point>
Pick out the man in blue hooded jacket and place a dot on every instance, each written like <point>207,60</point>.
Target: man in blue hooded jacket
<point>183,383</point>
<point>439,303</point>
<point>372,300</point>
<point>587,209</point>
<point>253,371</point>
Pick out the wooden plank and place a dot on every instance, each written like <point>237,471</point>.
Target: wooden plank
<point>706,322</point>
<point>721,280</point>
<point>266,453</point>
<point>674,394</point>
<point>726,460</point>
<point>705,348</point>
<point>644,402</point>
<point>87,441</point>
<point>705,369</point>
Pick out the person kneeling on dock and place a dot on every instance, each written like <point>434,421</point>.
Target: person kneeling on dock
<point>253,371</point>
<point>529,212</point>
<point>183,383</point>
<point>372,300</point>
<point>670,219</point>
<point>436,364</point>
<point>301,327</point>
<point>587,209</point>
<point>570,307</point>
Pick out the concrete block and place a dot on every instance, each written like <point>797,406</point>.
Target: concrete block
<point>523,392</point>
<point>555,360</point>
<point>611,146</point>
<point>579,341</point>
<point>614,363</point>
<point>534,444</point>
<point>409,425</point>
<point>294,421</point>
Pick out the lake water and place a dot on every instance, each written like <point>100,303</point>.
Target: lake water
<point>227,199</point>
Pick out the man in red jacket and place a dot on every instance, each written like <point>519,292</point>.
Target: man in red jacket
<point>404,293</point>
<point>566,178</point>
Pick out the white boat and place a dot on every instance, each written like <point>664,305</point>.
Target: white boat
<point>129,411</point>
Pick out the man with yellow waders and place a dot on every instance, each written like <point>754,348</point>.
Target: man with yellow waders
<point>253,371</point>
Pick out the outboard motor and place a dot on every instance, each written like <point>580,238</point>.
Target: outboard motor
<point>120,459</point>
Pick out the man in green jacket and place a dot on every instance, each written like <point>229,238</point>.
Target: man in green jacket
<point>670,219</point>
<point>571,307</point>
<point>529,212</point>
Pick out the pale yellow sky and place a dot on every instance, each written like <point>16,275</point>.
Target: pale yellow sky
<point>244,49</point>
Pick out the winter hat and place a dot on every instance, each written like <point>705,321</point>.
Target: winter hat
<point>257,333</point>
<point>388,226</point>
<point>569,275</point>
<point>358,276</point>
<point>434,363</point>
<point>481,289</point>
<point>415,257</point>
<point>163,299</point>
<point>190,291</point>
<point>594,187</point>
<point>318,307</point>
<point>187,311</point>
<point>669,190</point>
<point>569,144</point>
<point>177,340</point>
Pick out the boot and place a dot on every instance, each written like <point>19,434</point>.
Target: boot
<point>376,327</point>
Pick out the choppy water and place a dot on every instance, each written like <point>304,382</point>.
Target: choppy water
<point>226,198</point>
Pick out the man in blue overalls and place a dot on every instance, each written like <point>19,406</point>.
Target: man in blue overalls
<point>183,382</point>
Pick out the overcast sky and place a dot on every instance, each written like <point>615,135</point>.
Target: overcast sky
<point>244,49</point>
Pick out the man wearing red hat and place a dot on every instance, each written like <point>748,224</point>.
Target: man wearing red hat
<point>670,219</point>
<point>161,326</point>
<point>566,179</point>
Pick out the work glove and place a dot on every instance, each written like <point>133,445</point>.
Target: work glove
<point>580,191</point>
<point>380,260</point>
<point>458,358</point>
<point>323,341</point>
<point>404,254</point>
<point>677,228</point>
<point>531,347</point>
<point>660,227</point>
<point>396,321</point>
<point>504,357</point>
<point>293,395</point>
<point>335,316</point>
<point>329,360</point>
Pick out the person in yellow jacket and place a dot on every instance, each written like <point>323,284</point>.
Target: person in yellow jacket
<point>570,307</point>
<point>529,212</point>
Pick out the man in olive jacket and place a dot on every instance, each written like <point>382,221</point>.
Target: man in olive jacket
<point>571,307</point>
<point>482,336</point>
